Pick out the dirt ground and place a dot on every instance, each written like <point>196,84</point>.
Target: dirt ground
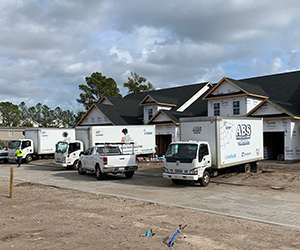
<point>46,217</point>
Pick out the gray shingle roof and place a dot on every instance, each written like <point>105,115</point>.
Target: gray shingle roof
<point>282,89</point>
<point>127,110</point>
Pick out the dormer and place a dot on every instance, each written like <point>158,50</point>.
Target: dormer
<point>231,97</point>
<point>152,104</point>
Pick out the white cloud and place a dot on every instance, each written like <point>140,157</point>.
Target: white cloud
<point>276,64</point>
<point>121,55</point>
<point>47,48</point>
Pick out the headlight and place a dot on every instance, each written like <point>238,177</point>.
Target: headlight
<point>194,171</point>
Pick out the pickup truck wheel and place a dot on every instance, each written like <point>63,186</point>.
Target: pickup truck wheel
<point>99,174</point>
<point>80,169</point>
<point>204,181</point>
<point>28,158</point>
<point>129,174</point>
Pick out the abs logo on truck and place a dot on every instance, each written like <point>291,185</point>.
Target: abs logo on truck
<point>243,131</point>
<point>243,134</point>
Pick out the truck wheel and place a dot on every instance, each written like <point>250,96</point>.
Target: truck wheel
<point>80,169</point>
<point>253,167</point>
<point>28,158</point>
<point>204,181</point>
<point>75,165</point>
<point>99,174</point>
<point>176,182</point>
<point>246,168</point>
<point>129,174</point>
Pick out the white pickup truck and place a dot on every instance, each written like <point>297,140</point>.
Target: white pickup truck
<point>107,158</point>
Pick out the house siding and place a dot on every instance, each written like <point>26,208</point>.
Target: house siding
<point>226,105</point>
<point>95,117</point>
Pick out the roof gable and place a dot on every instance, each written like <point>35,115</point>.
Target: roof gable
<point>160,117</point>
<point>94,116</point>
<point>158,100</point>
<point>268,109</point>
<point>105,100</point>
<point>224,88</point>
<point>228,87</point>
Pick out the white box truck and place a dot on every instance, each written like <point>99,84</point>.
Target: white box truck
<point>39,142</point>
<point>142,136</point>
<point>209,144</point>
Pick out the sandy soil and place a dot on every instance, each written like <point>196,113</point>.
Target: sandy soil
<point>46,217</point>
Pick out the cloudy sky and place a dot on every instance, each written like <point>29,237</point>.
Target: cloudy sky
<point>48,47</point>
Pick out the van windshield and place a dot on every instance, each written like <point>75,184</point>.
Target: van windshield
<point>181,152</point>
<point>61,147</point>
<point>14,144</point>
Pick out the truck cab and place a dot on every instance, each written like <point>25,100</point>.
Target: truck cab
<point>188,161</point>
<point>107,158</point>
<point>67,153</point>
<point>26,146</point>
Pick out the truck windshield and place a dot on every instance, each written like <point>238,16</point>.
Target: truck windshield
<point>61,147</point>
<point>183,152</point>
<point>14,144</point>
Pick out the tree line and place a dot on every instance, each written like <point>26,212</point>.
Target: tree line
<point>12,115</point>
<point>97,86</point>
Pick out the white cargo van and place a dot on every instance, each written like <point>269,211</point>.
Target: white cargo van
<point>209,144</point>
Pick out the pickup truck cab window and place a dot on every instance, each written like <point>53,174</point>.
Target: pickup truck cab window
<point>203,150</point>
<point>108,150</point>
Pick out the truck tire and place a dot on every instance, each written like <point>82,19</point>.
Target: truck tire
<point>176,182</point>
<point>246,168</point>
<point>253,167</point>
<point>80,169</point>
<point>75,165</point>
<point>204,181</point>
<point>129,174</point>
<point>99,174</point>
<point>28,158</point>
